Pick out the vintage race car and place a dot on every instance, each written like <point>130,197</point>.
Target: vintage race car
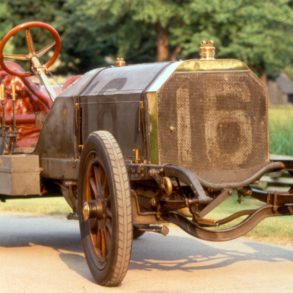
<point>134,147</point>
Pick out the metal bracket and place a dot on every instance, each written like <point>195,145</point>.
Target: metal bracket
<point>189,178</point>
<point>164,230</point>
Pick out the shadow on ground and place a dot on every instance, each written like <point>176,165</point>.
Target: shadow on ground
<point>150,252</point>
<point>180,253</point>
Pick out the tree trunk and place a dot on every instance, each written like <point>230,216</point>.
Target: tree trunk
<point>175,53</point>
<point>261,73</point>
<point>163,53</point>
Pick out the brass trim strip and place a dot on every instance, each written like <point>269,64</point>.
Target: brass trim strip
<point>206,65</point>
<point>152,101</point>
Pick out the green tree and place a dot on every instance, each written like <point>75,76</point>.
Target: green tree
<point>19,11</point>
<point>5,23</point>
<point>94,32</point>
<point>140,31</point>
<point>257,32</point>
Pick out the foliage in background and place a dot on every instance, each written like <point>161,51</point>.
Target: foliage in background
<point>257,32</point>
<point>132,29</point>
<point>289,71</point>
<point>5,23</point>
<point>94,32</point>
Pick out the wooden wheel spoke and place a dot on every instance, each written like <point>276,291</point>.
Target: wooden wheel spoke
<point>108,213</point>
<point>103,180</point>
<point>21,57</point>
<point>93,187</point>
<point>98,239</point>
<point>97,174</point>
<point>107,192</point>
<point>45,50</point>
<point>29,41</point>
<point>108,227</point>
<point>105,186</point>
<point>108,240</point>
<point>93,224</point>
<point>103,242</point>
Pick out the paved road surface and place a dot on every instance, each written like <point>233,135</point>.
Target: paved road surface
<point>43,254</point>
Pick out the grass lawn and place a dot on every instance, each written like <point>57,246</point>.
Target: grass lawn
<point>281,130</point>
<point>38,206</point>
<point>277,230</point>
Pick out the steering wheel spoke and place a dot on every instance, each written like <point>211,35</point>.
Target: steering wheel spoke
<point>45,50</point>
<point>20,57</point>
<point>30,42</point>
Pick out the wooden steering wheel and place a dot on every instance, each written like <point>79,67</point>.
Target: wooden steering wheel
<point>33,54</point>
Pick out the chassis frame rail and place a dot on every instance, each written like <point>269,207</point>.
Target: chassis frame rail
<point>255,216</point>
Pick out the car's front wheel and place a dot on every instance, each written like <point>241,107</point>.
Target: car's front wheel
<point>104,205</point>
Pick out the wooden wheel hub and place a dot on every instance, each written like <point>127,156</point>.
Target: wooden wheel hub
<point>93,209</point>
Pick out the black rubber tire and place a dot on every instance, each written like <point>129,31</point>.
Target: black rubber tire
<point>137,233</point>
<point>102,147</point>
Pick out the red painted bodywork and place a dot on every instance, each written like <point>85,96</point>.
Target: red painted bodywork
<point>31,106</point>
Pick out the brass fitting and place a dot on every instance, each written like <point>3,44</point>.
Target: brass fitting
<point>120,62</point>
<point>207,50</point>
<point>137,155</point>
<point>2,90</point>
<point>93,209</point>
<point>167,185</point>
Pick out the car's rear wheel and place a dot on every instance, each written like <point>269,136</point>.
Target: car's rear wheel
<point>105,209</point>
